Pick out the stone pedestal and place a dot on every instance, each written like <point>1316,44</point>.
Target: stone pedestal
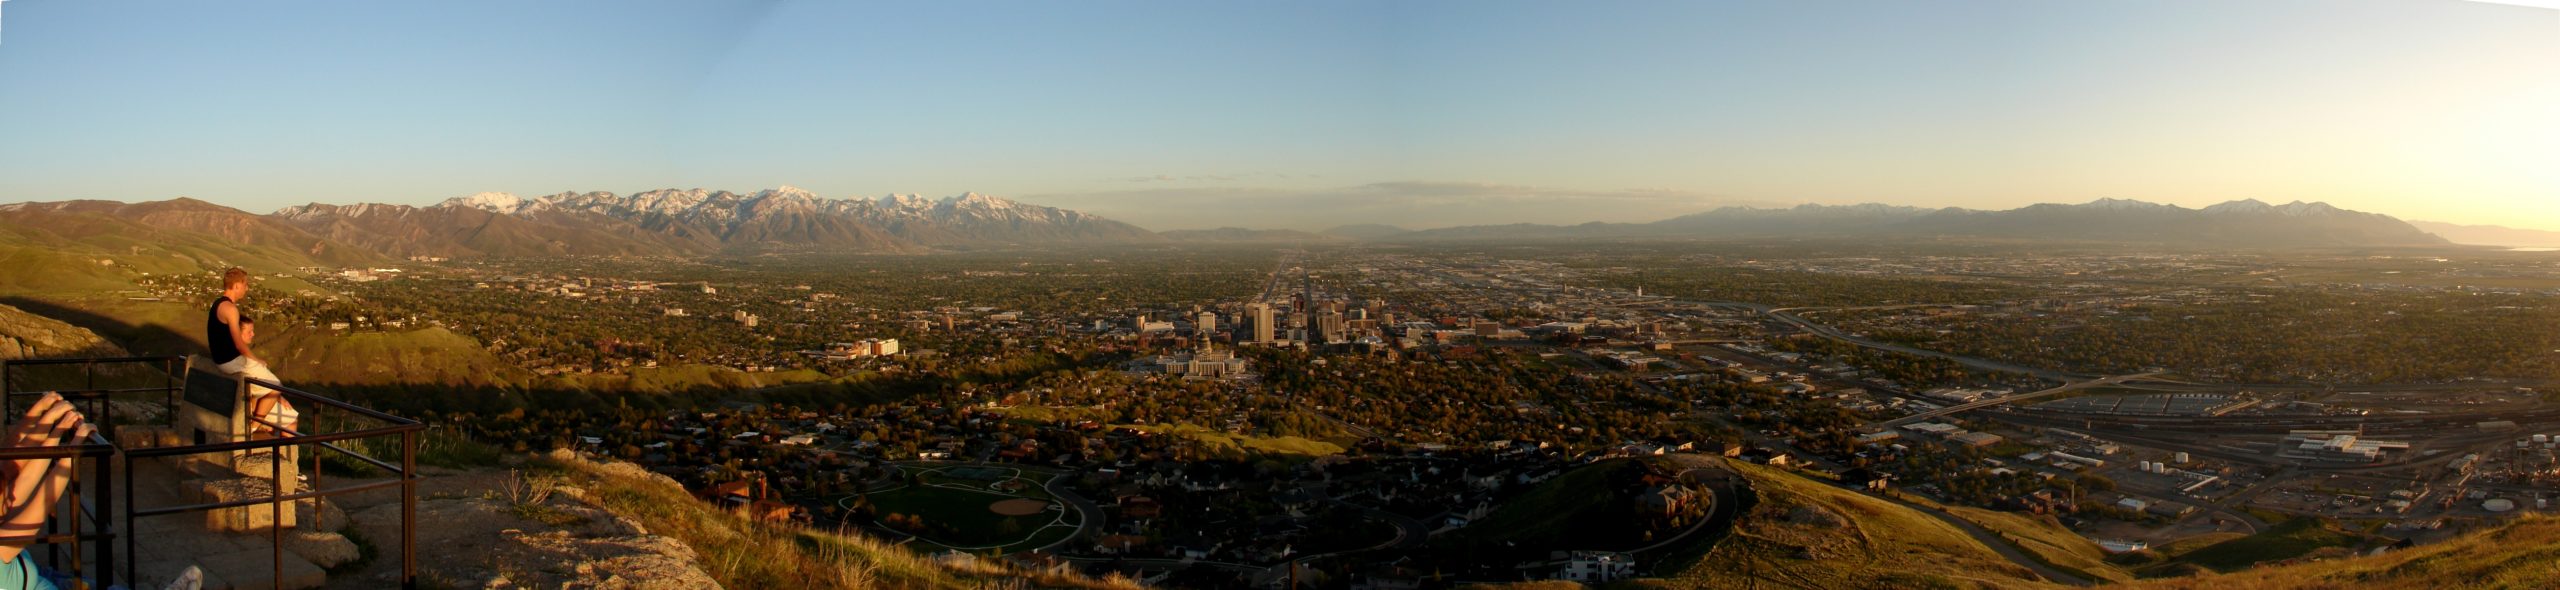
<point>238,519</point>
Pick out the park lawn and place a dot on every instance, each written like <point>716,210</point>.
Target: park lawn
<point>964,511</point>
<point>1031,484</point>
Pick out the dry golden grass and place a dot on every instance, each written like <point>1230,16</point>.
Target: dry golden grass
<point>2523,554</point>
<point>1807,534</point>
<point>2047,540</point>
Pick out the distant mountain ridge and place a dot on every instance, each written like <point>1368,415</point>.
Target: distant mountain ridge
<point>2237,223</point>
<point>700,221</point>
<point>1242,235</point>
<point>83,244</point>
<point>2491,235</point>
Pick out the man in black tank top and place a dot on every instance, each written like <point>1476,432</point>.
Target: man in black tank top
<point>225,334</point>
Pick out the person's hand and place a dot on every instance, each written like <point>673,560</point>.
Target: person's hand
<point>39,419</point>
<point>72,427</point>
<point>27,474</point>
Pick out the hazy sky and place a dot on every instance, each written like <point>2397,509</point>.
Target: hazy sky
<point>1298,114</point>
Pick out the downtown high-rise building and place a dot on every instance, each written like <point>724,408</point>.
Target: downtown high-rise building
<point>1264,328</point>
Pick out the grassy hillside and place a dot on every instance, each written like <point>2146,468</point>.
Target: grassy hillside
<point>426,355</point>
<point>2523,554</point>
<point>37,269</point>
<point>748,554</point>
<point>1809,534</point>
<point>2287,540</point>
<point>2048,541</point>
<point>1573,508</point>
<point>1232,446</point>
<point>88,247</point>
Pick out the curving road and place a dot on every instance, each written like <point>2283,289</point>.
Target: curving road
<point>1725,505</point>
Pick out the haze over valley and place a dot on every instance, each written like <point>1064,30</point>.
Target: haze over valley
<point>1417,295</point>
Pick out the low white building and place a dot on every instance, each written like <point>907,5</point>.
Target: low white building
<point>1597,567</point>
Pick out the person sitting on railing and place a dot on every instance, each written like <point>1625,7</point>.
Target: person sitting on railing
<point>269,407</point>
<point>34,485</point>
<point>226,332</point>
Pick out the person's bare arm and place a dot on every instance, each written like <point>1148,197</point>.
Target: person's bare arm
<point>58,478</point>
<point>38,419</point>
<point>230,315</point>
<point>37,485</point>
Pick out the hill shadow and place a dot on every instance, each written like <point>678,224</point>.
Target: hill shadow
<point>139,339</point>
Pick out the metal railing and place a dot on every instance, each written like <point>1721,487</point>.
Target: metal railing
<point>172,374</point>
<point>284,442</point>
<point>91,525</point>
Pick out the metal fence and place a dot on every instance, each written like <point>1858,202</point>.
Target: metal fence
<point>90,536</point>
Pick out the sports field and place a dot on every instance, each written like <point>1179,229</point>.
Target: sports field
<point>976,508</point>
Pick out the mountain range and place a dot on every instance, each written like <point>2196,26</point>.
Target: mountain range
<point>2491,235</point>
<point>698,221</point>
<point>2245,223</point>
<point>82,243</point>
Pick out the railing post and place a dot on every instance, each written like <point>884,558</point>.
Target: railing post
<point>409,509</point>
<point>177,382</point>
<point>130,576</point>
<point>275,516</point>
<point>73,493</point>
<point>105,472</point>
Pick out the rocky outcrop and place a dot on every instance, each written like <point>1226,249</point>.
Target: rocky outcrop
<point>526,533</point>
<point>26,335</point>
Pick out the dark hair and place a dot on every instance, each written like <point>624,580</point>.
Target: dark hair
<point>245,320</point>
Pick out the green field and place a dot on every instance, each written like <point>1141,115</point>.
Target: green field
<point>955,509</point>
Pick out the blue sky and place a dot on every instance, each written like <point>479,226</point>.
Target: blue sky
<point>1297,114</point>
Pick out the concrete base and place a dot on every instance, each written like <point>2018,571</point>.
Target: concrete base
<point>238,519</point>
<point>256,569</point>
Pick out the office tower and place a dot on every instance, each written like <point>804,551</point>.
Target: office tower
<point>1263,327</point>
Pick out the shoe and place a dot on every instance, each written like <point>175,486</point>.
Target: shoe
<point>192,579</point>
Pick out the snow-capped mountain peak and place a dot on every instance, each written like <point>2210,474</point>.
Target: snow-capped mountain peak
<point>2115,204</point>
<point>904,201</point>
<point>2301,209</point>
<point>978,201</point>
<point>502,203</point>
<point>787,191</point>
<point>2240,206</point>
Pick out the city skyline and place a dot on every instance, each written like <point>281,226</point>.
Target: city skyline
<point>1299,116</point>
